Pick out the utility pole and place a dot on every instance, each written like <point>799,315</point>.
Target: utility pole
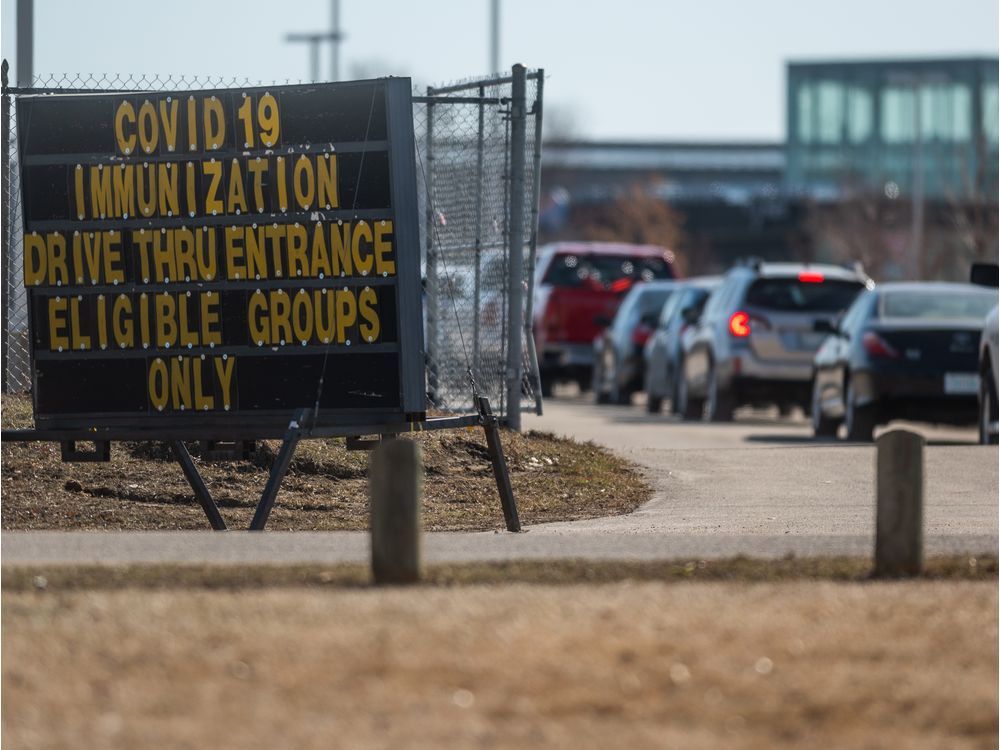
<point>315,38</point>
<point>495,37</point>
<point>25,42</point>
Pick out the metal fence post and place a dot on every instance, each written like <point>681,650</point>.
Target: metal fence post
<point>515,256</point>
<point>529,307</point>
<point>430,266</point>
<point>7,237</point>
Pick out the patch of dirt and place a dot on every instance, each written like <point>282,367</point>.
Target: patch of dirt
<point>326,487</point>
<point>638,665</point>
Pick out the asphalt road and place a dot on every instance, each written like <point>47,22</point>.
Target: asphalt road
<point>759,487</point>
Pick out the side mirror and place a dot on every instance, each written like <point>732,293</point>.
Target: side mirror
<point>985,274</point>
<point>690,315</point>
<point>602,321</point>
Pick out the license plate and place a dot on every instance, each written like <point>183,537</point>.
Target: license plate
<point>961,383</point>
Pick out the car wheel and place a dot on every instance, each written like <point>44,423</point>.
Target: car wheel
<point>720,403</point>
<point>859,420</point>
<point>688,407</point>
<point>987,408</point>
<point>823,426</point>
<point>675,396</point>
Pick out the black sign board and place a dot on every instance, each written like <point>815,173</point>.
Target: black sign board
<point>223,257</point>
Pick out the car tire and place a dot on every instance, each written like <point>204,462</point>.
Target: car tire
<point>689,408</point>
<point>859,420</point>
<point>823,426</point>
<point>720,403</point>
<point>988,407</point>
<point>620,396</point>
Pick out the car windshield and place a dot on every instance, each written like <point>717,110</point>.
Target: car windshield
<point>614,272</point>
<point>951,304</point>
<point>794,295</point>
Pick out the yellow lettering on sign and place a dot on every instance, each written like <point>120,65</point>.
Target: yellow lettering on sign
<point>124,182</point>
<point>324,315</point>
<point>144,320</point>
<point>35,258</point>
<point>166,324</point>
<point>192,123</point>
<point>362,254</point>
<point>259,331</point>
<point>125,117</point>
<point>168,117</point>
<point>187,267</point>
<point>90,250</point>
<point>269,120</point>
<point>147,198</point>
<point>167,183</point>
<point>101,196</point>
<point>102,321</point>
<point>326,170</point>
<point>215,123</point>
<point>224,372</point>
<point>209,319</point>
<point>297,240</point>
<point>340,248</point>
<point>347,313</point>
<point>191,188</point>
<point>141,242</point>
<point>158,384</point>
<point>236,200</point>
<point>55,247</point>
<point>279,308</point>
<point>319,260</point>
<point>202,400</point>
<point>57,324</point>
<point>149,134</point>
<point>235,267</point>
<point>274,233</point>
<point>256,257</point>
<point>367,302</point>
<point>114,267</point>
<point>257,169</point>
<point>213,170</point>
<point>164,267</point>
<point>384,264</point>
<point>121,322</point>
<point>304,182</point>
<point>282,184</point>
<point>302,316</point>
<point>188,337</point>
<point>78,192</point>
<point>77,339</point>
<point>206,253</point>
<point>180,383</point>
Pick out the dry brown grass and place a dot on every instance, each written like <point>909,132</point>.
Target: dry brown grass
<point>690,665</point>
<point>554,479</point>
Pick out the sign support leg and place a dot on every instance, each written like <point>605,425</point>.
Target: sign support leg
<point>499,461</point>
<point>198,485</point>
<point>278,469</point>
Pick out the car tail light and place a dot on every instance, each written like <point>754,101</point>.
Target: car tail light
<point>811,277</point>
<point>641,334</point>
<point>621,285</point>
<point>876,346</point>
<point>739,324</point>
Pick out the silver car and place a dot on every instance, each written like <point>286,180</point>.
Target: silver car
<point>988,370</point>
<point>755,341</point>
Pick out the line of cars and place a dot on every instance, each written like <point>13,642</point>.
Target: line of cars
<point>820,337</point>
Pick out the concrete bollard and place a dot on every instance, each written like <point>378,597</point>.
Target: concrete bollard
<point>899,515</point>
<point>395,483</point>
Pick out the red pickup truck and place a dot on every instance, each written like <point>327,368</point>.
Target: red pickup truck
<point>579,287</point>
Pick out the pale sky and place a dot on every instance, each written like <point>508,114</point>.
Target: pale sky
<point>627,69</point>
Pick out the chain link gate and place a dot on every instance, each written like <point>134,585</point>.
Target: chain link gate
<point>478,156</point>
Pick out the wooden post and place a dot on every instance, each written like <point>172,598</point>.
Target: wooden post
<point>899,516</point>
<point>395,480</point>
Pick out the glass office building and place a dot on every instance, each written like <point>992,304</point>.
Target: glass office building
<point>876,126</point>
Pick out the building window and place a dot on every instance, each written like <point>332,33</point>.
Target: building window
<point>898,123</point>
<point>805,112</point>
<point>946,113</point>
<point>831,112</point>
<point>991,113</point>
<point>859,114</point>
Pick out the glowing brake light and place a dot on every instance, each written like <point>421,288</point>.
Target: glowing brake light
<point>876,346</point>
<point>811,277</point>
<point>739,324</point>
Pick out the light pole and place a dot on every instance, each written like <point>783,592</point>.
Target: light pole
<point>315,38</point>
<point>495,37</point>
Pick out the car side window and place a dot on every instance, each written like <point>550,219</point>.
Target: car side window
<point>718,298</point>
<point>673,302</point>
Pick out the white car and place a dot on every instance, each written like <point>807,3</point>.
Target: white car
<point>988,401</point>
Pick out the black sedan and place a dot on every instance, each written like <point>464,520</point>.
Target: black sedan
<point>901,351</point>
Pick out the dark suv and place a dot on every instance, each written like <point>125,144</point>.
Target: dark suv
<point>757,336</point>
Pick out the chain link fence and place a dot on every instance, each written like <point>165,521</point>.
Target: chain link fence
<point>467,163</point>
